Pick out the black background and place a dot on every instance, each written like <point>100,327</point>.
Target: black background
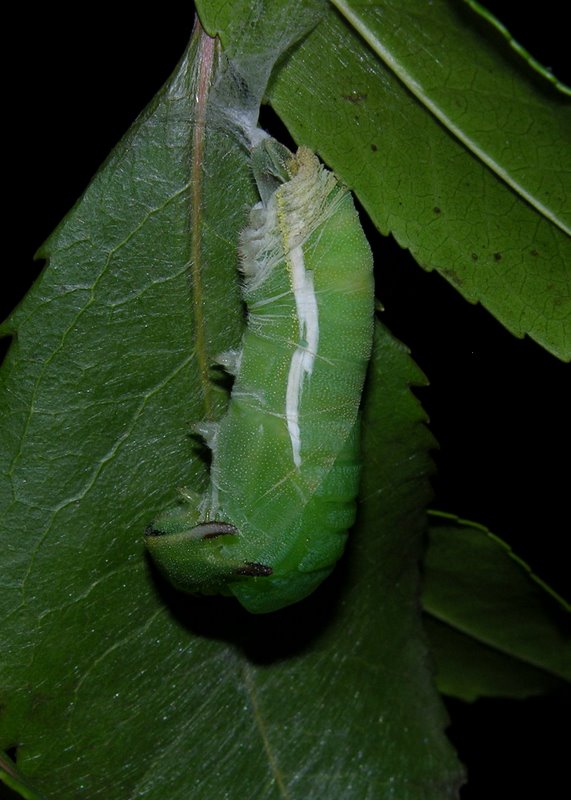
<point>498,406</point>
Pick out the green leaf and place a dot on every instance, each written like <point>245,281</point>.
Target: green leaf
<point>113,685</point>
<point>495,628</point>
<point>453,143</point>
<point>497,115</point>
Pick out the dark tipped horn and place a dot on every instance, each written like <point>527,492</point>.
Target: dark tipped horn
<point>210,530</point>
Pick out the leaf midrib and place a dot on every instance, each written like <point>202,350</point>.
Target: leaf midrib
<point>417,90</point>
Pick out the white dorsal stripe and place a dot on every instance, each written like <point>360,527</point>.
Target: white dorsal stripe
<point>304,355</point>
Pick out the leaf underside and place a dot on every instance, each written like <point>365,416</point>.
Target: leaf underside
<point>494,628</point>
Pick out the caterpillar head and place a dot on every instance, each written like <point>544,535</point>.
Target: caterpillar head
<point>197,556</point>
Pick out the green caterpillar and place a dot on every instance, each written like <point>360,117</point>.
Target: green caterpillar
<point>285,457</point>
